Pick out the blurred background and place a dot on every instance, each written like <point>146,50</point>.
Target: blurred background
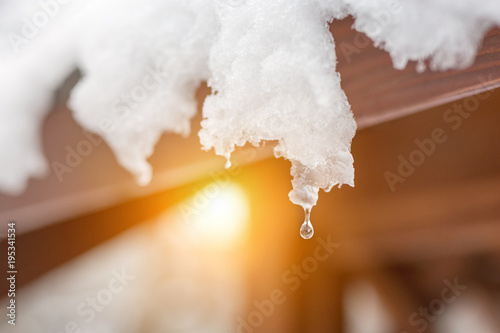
<point>414,247</point>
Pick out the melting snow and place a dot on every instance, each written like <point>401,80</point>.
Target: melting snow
<point>270,64</point>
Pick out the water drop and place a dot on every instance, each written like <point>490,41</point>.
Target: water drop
<point>228,164</point>
<point>307,230</point>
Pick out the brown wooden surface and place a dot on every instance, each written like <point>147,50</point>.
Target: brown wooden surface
<point>378,92</point>
<point>442,222</point>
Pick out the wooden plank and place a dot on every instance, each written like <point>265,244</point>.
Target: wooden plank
<point>414,246</point>
<point>378,92</point>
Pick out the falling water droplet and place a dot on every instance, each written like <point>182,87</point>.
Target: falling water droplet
<point>307,230</point>
<point>228,164</point>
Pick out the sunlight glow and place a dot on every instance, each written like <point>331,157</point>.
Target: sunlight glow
<point>222,215</point>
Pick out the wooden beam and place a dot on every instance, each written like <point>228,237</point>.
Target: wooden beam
<point>379,93</point>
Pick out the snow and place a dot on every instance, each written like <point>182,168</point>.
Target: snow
<point>280,85</point>
<point>447,32</point>
<point>364,310</point>
<point>142,81</point>
<point>164,275</point>
<point>270,64</point>
<point>31,70</point>
<point>469,313</point>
